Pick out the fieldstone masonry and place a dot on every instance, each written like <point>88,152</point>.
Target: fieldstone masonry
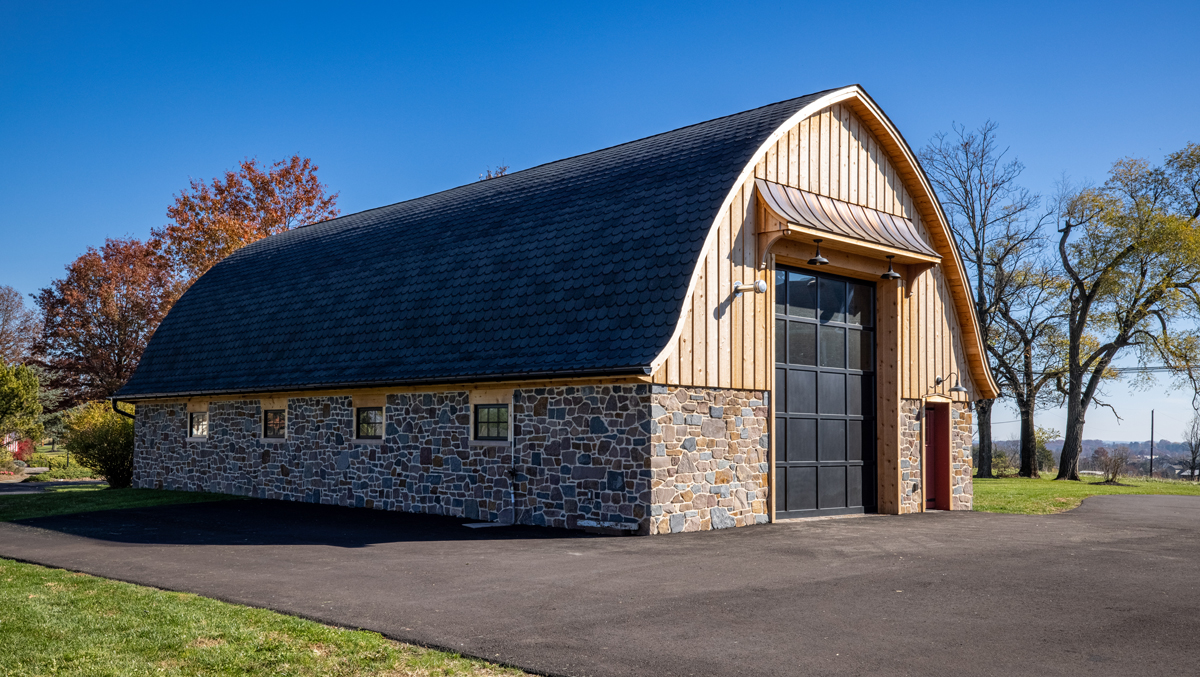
<point>581,456</point>
<point>651,459</point>
<point>710,459</point>
<point>961,463</point>
<point>910,455</point>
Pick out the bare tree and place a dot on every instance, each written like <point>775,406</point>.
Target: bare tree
<point>1027,345</point>
<point>1131,253</point>
<point>1114,464</point>
<point>1191,437</point>
<point>989,214</point>
<point>19,327</point>
<point>496,173</point>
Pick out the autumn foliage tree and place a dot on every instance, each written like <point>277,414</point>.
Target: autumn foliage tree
<point>211,221</point>
<point>98,319</point>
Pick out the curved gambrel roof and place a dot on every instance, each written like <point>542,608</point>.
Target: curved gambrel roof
<point>576,267</point>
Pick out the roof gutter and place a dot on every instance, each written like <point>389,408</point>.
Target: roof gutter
<point>117,409</point>
<point>641,370</point>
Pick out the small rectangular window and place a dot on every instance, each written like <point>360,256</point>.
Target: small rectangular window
<point>491,422</point>
<point>198,424</point>
<point>275,424</point>
<point>369,423</point>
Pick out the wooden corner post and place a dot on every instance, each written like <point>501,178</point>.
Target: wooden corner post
<point>887,379</point>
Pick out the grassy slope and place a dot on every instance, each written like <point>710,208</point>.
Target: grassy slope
<point>67,499</point>
<point>56,622</point>
<point>1044,496</point>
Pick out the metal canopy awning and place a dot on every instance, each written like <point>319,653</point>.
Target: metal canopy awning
<point>843,219</point>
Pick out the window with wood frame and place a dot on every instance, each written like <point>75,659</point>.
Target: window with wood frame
<point>491,422</point>
<point>368,423</point>
<point>198,424</point>
<point>274,424</point>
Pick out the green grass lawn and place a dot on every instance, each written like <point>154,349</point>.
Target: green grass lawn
<point>53,622</point>
<point>71,499</point>
<point>1044,496</point>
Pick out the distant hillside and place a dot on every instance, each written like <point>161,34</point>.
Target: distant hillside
<point>1164,447</point>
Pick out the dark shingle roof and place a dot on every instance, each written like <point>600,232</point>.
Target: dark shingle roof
<point>576,266</point>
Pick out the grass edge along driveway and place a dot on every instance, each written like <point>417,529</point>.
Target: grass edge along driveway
<point>57,622</point>
<point>69,623</point>
<point>1045,496</point>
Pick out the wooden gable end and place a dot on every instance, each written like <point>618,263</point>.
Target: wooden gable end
<point>844,151</point>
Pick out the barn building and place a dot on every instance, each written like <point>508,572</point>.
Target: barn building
<point>753,318</point>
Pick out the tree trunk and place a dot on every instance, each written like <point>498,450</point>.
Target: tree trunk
<point>983,416</point>
<point>1029,460</point>
<point>1068,465</point>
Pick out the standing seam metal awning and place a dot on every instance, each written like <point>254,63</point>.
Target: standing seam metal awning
<point>843,218</point>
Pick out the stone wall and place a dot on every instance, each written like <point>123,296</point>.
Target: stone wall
<point>583,452</point>
<point>581,456</point>
<point>962,465</point>
<point>710,459</point>
<point>652,459</point>
<point>910,455</point>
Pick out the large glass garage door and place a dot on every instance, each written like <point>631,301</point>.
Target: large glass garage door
<point>824,395</point>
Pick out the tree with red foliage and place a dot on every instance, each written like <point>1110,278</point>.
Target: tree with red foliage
<point>213,221</point>
<point>24,450</point>
<point>98,319</point>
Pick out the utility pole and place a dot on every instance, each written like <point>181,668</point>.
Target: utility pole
<point>1151,444</point>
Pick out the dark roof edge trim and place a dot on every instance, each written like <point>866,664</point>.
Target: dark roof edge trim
<point>515,376</point>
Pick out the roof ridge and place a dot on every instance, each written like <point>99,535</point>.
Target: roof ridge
<point>574,157</point>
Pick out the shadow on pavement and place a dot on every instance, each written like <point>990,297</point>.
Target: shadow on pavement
<point>265,522</point>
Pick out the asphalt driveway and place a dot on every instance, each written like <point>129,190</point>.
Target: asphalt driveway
<point>1112,587</point>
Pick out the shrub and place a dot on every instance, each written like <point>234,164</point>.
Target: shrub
<point>1005,463</point>
<point>24,450</point>
<point>75,472</point>
<point>102,440</point>
<point>1114,464</point>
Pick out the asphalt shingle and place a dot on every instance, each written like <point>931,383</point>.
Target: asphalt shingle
<point>576,266</point>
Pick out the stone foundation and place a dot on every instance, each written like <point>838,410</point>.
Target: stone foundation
<point>651,459</point>
<point>710,459</point>
<point>581,456</point>
<point>911,497</point>
<point>961,464</point>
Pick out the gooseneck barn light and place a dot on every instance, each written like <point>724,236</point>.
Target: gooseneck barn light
<point>956,388</point>
<point>818,260</point>
<point>890,274</point>
<point>757,286</point>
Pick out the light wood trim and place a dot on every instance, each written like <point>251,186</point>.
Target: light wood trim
<point>887,388</point>
<point>774,441</point>
<point>396,390</point>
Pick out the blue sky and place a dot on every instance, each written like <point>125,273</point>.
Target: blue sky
<point>107,110</point>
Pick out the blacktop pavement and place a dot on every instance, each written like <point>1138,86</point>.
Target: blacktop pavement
<point>1111,588</point>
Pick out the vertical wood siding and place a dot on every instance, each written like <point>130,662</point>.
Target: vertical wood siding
<point>726,342</point>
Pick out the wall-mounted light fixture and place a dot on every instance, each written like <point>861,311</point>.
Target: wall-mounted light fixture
<point>956,388</point>
<point>757,286</point>
<point>890,274</point>
<point>818,260</point>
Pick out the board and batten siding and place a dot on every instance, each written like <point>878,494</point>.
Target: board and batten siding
<point>725,342</point>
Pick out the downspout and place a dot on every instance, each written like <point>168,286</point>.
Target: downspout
<point>126,414</point>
